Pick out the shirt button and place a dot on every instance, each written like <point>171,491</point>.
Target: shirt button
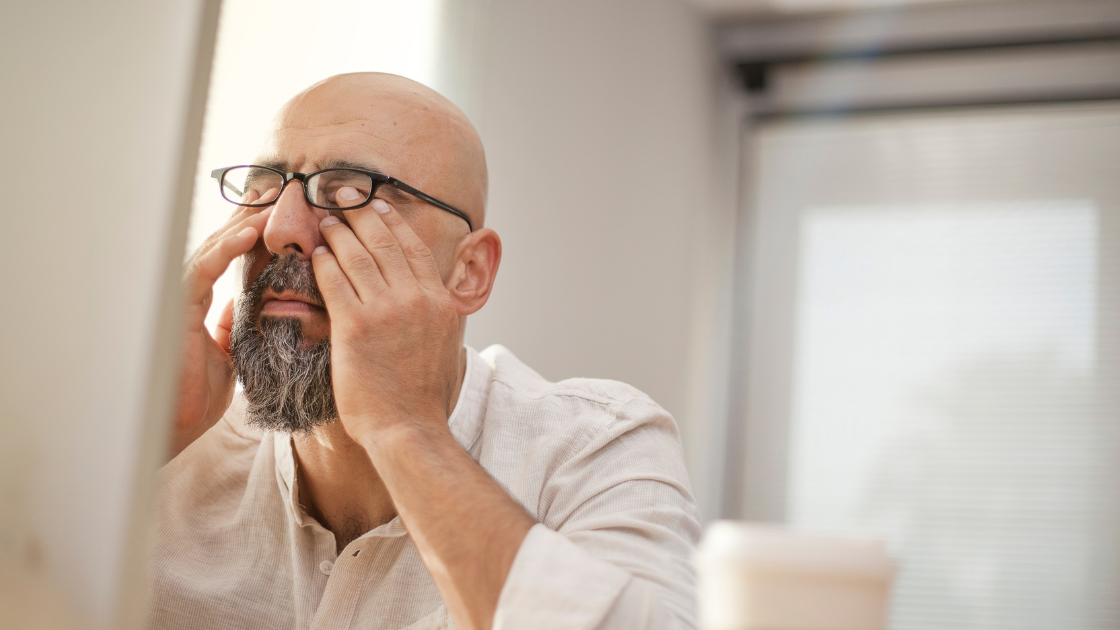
<point>326,566</point>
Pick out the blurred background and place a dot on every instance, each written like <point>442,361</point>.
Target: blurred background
<point>867,252</point>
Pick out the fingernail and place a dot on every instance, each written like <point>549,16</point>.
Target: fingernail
<point>322,249</point>
<point>348,194</point>
<point>381,206</point>
<point>330,220</point>
<point>246,232</point>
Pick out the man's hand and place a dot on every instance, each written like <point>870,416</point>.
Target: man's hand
<point>395,359</point>
<point>206,375</point>
<point>395,346</point>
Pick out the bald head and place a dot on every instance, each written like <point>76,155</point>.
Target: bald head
<point>394,125</point>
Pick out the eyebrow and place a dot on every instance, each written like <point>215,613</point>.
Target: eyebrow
<point>281,165</point>
<point>354,165</point>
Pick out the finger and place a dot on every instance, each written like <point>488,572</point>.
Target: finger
<point>204,270</point>
<point>381,244</point>
<point>417,255</point>
<point>336,288</point>
<point>353,258</point>
<point>241,218</point>
<point>238,215</point>
<point>237,221</point>
<point>224,328</point>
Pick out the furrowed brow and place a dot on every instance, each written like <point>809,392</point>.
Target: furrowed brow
<point>348,164</point>
<point>285,167</point>
<point>276,164</point>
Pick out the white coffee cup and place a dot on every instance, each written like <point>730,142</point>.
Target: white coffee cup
<point>759,577</point>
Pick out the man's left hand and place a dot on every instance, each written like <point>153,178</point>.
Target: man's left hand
<point>396,352</point>
<point>395,346</point>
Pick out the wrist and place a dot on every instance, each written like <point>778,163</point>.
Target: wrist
<point>406,435</point>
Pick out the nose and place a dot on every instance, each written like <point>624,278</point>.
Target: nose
<point>293,227</point>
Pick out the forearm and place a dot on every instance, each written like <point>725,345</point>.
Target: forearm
<point>467,528</point>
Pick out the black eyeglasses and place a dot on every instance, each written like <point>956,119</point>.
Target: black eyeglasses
<point>320,188</point>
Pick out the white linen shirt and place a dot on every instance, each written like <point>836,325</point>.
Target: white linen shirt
<point>596,462</point>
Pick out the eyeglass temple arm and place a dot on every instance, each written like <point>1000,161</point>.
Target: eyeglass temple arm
<point>430,199</point>
<point>218,175</point>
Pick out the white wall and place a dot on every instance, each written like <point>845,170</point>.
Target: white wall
<point>96,120</point>
<point>609,169</point>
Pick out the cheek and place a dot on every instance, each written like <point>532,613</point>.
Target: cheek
<point>436,234</point>
<point>443,251</point>
<point>445,260</point>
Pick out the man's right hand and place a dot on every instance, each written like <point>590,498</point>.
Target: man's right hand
<point>206,375</point>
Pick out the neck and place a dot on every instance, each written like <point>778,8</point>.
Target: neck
<point>338,485</point>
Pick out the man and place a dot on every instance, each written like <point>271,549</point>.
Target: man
<point>377,473</point>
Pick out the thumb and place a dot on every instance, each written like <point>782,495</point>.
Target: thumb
<point>224,327</point>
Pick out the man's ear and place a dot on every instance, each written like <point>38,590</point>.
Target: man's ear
<point>476,264</point>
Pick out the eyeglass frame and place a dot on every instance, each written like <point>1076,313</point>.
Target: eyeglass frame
<point>219,174</point>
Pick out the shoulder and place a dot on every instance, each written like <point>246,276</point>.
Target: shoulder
<point>587,403</point>
<point>573,420</point>
<point>591,446</point>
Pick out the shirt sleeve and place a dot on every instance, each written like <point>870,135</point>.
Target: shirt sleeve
<point>615,543</point>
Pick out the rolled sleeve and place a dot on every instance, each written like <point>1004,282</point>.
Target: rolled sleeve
<point>618,529</point>
<point>555,584</point>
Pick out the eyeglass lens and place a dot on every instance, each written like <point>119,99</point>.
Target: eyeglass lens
<point>328,189</point>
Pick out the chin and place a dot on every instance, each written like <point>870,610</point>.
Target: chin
<point>307,326</point>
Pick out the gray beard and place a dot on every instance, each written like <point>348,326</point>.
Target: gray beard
<point>287,382</point>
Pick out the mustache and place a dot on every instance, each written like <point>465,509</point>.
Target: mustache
<point>285,273</point>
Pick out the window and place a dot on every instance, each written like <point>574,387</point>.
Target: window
<point>935,346</point>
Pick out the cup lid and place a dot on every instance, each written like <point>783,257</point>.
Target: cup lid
<point>772,548</point>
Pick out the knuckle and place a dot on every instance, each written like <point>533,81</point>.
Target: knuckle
<point>218,234</point>
<point>331,283</point>
<point>211,265</point>
<point>358,261</point>
<point>417,251</point>
<point>382,246</point>
<point>334,284</point>
<point>193,271</point>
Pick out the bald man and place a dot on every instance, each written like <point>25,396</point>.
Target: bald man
<point>374,472</point>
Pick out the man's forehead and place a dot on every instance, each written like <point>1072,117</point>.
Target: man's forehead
<point>371,132</point>
<point>380,144</point>
<point>386,124</point>
<point>388,116</point>
<point>295,150</point>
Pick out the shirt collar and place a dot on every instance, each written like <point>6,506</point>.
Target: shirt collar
<point>465,421</point>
